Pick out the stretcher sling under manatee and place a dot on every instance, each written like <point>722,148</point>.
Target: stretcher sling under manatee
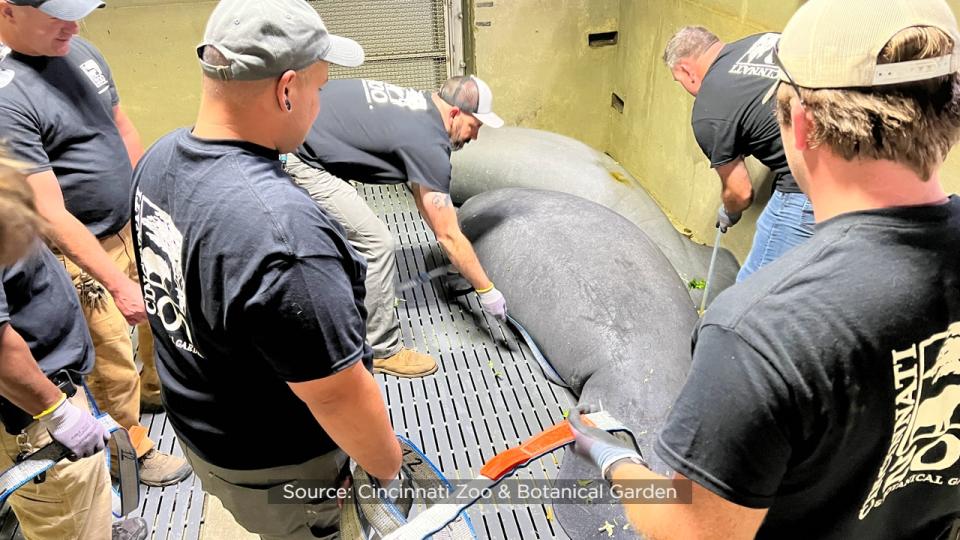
<point>436,519</point>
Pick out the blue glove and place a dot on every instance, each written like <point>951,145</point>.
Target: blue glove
<point>75,429</point>
<point>494,303</point>
<point>600,446</point>
<point>725,219</point>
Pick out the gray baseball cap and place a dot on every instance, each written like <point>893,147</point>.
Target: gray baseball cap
<point>261,39</point>
<point>65,10</point>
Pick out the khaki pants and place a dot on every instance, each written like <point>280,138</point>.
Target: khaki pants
<point>246,495</point>
<point>115,382</point>
<point>74,502</point>
<point>372,240</point>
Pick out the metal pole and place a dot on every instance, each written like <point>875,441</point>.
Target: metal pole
<point>713,261</point>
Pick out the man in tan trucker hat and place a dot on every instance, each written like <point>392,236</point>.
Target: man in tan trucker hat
<point>824,396</point>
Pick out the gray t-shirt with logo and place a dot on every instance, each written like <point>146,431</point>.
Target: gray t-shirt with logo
<point>826,388</point>
<point>730,119</point>
<point>379,133</point>
<point>56,113</point>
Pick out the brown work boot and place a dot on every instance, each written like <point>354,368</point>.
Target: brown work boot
<point>159,470</point>
<point>406,363</point>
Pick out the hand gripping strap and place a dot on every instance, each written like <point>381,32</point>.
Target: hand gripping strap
<point>498,468</point>
<point>40,462</point>
<point>360,510</point>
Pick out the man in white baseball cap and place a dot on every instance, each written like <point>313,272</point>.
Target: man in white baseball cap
<point>823,397</point>
<point>60,112</point>
<point>378,133</point>
<point>254,296</point>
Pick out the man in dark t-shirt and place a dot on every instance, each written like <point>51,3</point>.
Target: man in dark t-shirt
<point>45,352</point>
<point>824,393</point>
<point>60,113</point>
<point>378,133</point>
<point>254,296</point>
<point>730,122</point>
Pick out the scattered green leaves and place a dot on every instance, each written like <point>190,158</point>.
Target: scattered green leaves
<point>697,283</point>
<point>607,528</point>
<point>584,483</point>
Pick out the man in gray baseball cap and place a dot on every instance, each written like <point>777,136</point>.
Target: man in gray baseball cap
<point>254,295</point>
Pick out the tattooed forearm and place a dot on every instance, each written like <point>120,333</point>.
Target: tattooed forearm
<point>441,200</point>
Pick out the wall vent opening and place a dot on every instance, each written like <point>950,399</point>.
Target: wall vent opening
<point>616,102</point>
<point>603,39</point>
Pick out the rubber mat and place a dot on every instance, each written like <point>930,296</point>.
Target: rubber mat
<point>488,395</point>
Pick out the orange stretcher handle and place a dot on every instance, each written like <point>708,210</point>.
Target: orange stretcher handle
<point>546,441</point>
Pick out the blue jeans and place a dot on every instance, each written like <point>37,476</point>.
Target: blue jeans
<point>786,222</point>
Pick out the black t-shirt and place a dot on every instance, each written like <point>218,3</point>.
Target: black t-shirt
<point>730,119</point>
<point>378,133</point>
<point>248,286</point>
<point>56,113</point>
<point>827,388</point>
<point>38,300</point>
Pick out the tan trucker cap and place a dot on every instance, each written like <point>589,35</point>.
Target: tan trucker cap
<point>835,43</point>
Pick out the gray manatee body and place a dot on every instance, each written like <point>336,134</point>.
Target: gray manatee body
<point>521,157</point>
<point>604,305</point>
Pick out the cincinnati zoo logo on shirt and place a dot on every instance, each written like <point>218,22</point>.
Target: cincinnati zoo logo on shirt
<point>759,62</point>
<point>381,93</point>
<point>161,270</point>
<point>92,69</point>
<point>926,431</point>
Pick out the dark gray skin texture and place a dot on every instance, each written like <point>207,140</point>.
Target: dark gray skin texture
<point>606,307</point>
<point>521,157</point>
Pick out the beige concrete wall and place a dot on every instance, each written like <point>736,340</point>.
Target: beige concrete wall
<point>536,58</point>
<point>150,46</point>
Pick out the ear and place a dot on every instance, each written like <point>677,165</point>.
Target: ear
<point>6,11</point>
<point>801,124</point>
<point>284,85</point>
<point>454,112</point>
<point>683,71</point>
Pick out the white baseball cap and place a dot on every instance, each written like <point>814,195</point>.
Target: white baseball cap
<point>472,95</point>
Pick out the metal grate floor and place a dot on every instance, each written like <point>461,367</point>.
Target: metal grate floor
<point>488,395</point>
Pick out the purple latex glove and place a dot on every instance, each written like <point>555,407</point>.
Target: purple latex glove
<point>76,429</point>
<point>494,303</point>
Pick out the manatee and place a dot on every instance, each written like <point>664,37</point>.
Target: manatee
<point>604,304</point>
<point>521,157</point>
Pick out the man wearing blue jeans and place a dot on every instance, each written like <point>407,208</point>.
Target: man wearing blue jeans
<point>732,121</point>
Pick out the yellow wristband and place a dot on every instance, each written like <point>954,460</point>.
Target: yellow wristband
<point>484,291</point>
<point>63,397</point>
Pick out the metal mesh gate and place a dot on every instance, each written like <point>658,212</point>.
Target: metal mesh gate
<point>405,40</point>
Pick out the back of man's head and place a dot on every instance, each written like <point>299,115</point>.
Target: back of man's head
<point>21,224</point>
<point>879,79</point>
<point>688,42</point>
<point>264,62</point>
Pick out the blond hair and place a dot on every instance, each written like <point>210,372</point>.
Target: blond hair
<point>20,224</point>
<point>914,124</point>
<point>688,42</point>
